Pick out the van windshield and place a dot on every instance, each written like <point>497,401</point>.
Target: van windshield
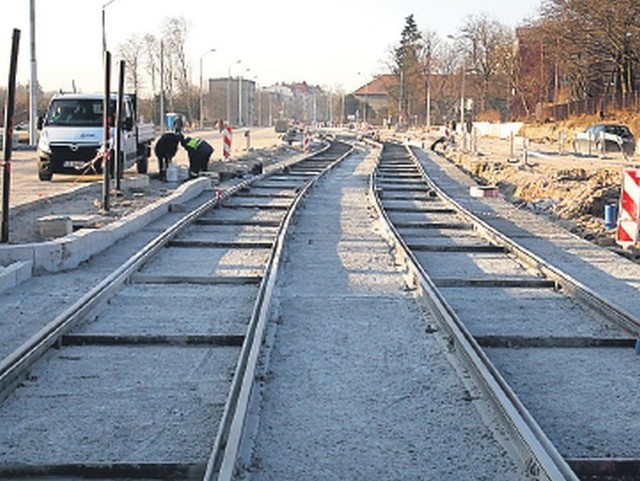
<point>76,112</point>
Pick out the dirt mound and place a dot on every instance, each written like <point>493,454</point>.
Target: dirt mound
<point>575,196</point>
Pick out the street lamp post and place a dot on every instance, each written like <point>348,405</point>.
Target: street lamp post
<point>427,65</point>
<point>240,116</point>
<point>104,30</point>
<point>33,81</point>
<point>364,107</point>
<point>162,119</point>
<point>229,90</point>
<point>462,97</point>
<point>462,78</point>
<point>201,89</point>
<point>258,97</point>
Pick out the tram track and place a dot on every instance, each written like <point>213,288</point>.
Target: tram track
<point>503,306</point>
<point>162,391</point>
<point>145,375</point>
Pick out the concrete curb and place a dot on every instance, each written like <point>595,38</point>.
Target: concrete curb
<point>14,274</point>
<point>68,252</point>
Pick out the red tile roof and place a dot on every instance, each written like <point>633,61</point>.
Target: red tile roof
<point>379,85</point>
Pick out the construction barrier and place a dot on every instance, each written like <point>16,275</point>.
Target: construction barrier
<point>306,141</point>
<point>628,219</point>
<point>226,142</point>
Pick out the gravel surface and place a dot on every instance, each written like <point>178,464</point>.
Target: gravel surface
<point>581,397</point>
<point>355,388</point>
<point>608,274</point>
<point>606,382</point>
<point>354,384</point>
<point>131,404</point>
<point>30,306</point>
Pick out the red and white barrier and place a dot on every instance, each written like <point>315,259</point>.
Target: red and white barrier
<point>306,141</point>
<point>226,142</point>
<point>629,217</point>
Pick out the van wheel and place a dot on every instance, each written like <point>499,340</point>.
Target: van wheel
<point>44,172</point>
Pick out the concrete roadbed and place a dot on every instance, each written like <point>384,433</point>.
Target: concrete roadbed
<point>69,251</point>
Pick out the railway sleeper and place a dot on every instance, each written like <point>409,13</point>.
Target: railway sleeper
<point>227,340</point>
<point>626,469</point>
<point>496,282</point>
<point>203,280</point>
<point>155,471</point>
<point>553,342</point>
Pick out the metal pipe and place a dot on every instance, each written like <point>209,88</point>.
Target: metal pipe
<point>119,161</point>
<point>105,124</point>
<point>8,134</point>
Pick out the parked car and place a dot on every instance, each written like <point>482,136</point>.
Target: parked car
<point>21,131</point>
<point>292,135</point>
<point>282,126</point>
<point>616,138</point>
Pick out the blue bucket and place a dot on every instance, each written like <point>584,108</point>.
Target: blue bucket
<point>610,216</point>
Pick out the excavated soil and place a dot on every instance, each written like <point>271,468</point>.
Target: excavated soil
<point>572,190</point>
<point>574,196</point>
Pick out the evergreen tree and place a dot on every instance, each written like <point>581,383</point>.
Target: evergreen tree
<point>406,66</point>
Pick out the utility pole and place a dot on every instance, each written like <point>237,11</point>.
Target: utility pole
<point>229,91</point>
<point>202,89</point>
<point>104,25</point>
<point>162,108</point>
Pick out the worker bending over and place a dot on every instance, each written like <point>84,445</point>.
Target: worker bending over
<point>199,151</point>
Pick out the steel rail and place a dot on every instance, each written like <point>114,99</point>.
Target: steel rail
<point>623,318</point>
<point>16,363</point>
<point>540,458</point>
<point>222,462</point>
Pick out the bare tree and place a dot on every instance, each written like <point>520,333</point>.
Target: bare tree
<point>130,52</point>
<point>428,60</point>
<point>596,41</point>
<point>151,51</point>
<point>486,42</point>
<point>175,32</point>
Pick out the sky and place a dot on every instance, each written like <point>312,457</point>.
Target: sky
<point>337,44</point>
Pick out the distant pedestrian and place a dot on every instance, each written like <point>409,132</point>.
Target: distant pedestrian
<point>444,138</point>
<point>165,150</point>
<point>178,124</point>
<point>199,152</point>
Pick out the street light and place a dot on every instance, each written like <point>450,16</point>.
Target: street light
<point>427,65</point>
<point>258,101</point>
<point>364,109</point>
<point>462,97</point>
<point>240,98</point>
<point>462,76</point>
<point>33,80</point>
<point>201,89</point>
<point>229,90</point>
<point>104,31</point>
